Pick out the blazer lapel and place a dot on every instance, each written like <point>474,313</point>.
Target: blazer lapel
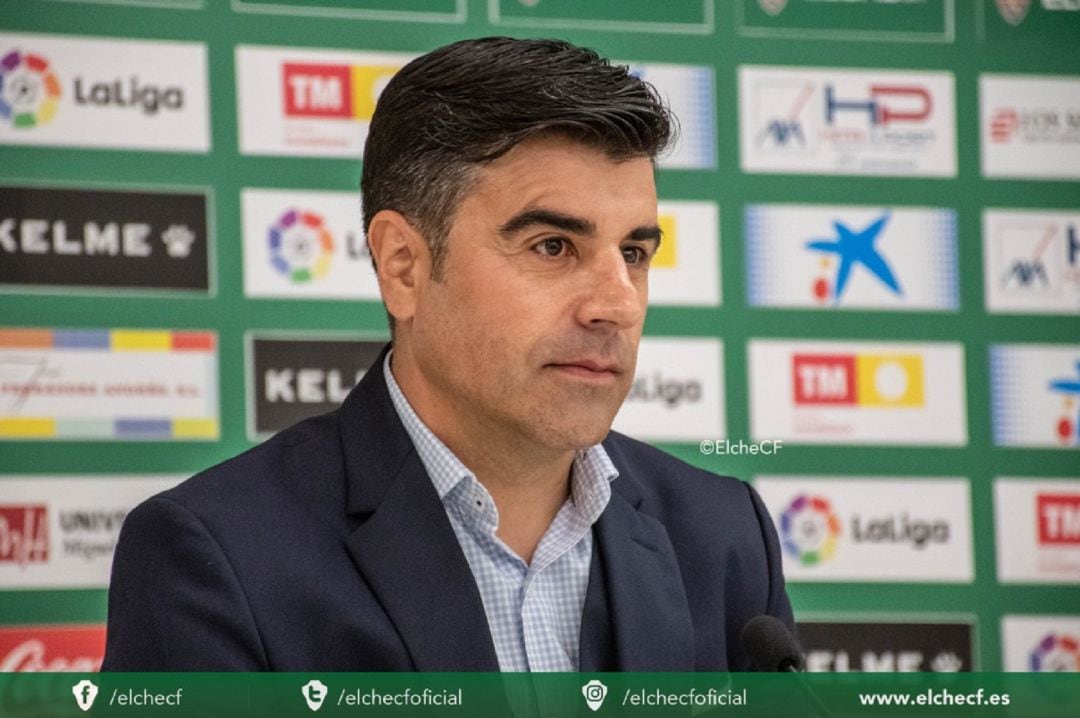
<point>405,547</point>
<point>649,616</point>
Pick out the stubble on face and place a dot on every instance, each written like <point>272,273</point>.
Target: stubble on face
<point>516,346</point>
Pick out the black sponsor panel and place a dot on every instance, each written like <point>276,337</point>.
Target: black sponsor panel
<point>103,239</point>
<point>299,378</point>
<point>845,646</point>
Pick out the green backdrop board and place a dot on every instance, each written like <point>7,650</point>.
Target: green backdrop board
<point>869,306</point>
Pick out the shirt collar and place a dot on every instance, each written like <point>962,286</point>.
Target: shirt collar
<point>592,473</point>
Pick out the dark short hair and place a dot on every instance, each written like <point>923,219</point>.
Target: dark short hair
<point>450,111</point>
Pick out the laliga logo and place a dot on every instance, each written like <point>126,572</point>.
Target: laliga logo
<point>301,247</point>
<point>29,90</point>
<point>1057,653</point>
<point>809,529</point>
<point>1068,427</point>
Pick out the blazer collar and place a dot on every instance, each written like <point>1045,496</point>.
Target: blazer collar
<point>405,545</point>
<point>649,616</point>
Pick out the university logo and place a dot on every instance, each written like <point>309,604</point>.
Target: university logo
<point>29,89</point>
<point>1068,425</point>
<point>301,247</point>
<point>1013,11</point>
<point>1056,652</point>
<point>809,529</point>
<point>868,380</point>
<point>24,534</point>
<point>852,248</point>
<point>333,91</point>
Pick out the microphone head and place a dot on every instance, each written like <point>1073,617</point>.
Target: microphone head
<point>770,645</point>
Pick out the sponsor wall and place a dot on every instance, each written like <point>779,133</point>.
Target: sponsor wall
<point>867,301</point>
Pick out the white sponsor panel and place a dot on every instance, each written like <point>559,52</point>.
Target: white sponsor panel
<point>1029,126</point>
<point>834,392</point>
<point>678,391</point>
<point>1041,644</point>
<point>872,529</point>
<point>1031,260</point>
<point>307,102</point>
<point>305,245</point>
<point>60,532</point>
<point>850,257</point>
<point>1034,390</point>
<point>686,269</point>
<point>690,92</point>
<point>1037,525</point>
<point>848,122</point>
<point>115,384</point>
<point>68,91</point>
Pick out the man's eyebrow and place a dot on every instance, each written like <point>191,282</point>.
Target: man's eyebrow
<point>569,223</point>
<point>549,218</point>
<point>644,234</point>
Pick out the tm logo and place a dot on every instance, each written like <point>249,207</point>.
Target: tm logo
<point>852,247</point>
<point>1068,426</point>
<point>809,529</point>
<point>29,90</point>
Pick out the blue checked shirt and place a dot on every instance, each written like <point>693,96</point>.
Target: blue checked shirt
<point>534,610</point>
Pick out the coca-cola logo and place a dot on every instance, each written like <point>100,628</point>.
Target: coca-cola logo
<point>54,650</point>
<point>24,534</point>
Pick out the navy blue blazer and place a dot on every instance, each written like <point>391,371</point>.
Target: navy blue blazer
<point>327,549</point>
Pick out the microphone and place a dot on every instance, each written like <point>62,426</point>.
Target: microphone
<point>771,646</point>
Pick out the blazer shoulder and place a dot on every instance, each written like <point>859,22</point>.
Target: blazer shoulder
<point>668,478</point>
<point>266,474</point>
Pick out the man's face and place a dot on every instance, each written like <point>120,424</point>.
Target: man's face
<point>533,330</point>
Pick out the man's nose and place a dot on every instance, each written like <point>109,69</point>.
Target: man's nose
<point>611,296</point>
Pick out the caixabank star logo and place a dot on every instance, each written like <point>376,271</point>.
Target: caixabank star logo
<point>29,89</point>
<point>810,529</point>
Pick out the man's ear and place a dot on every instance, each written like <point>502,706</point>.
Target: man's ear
<point>403,261</point>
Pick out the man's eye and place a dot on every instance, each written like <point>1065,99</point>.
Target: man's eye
<point>551,247</point>
<point>635,255</point>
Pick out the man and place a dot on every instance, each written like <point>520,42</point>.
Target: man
<point>467,507</point>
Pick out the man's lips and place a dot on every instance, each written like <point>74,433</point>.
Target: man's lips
<point>588,368</point>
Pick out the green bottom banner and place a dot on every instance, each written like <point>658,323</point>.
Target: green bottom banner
<point>208,695</point>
